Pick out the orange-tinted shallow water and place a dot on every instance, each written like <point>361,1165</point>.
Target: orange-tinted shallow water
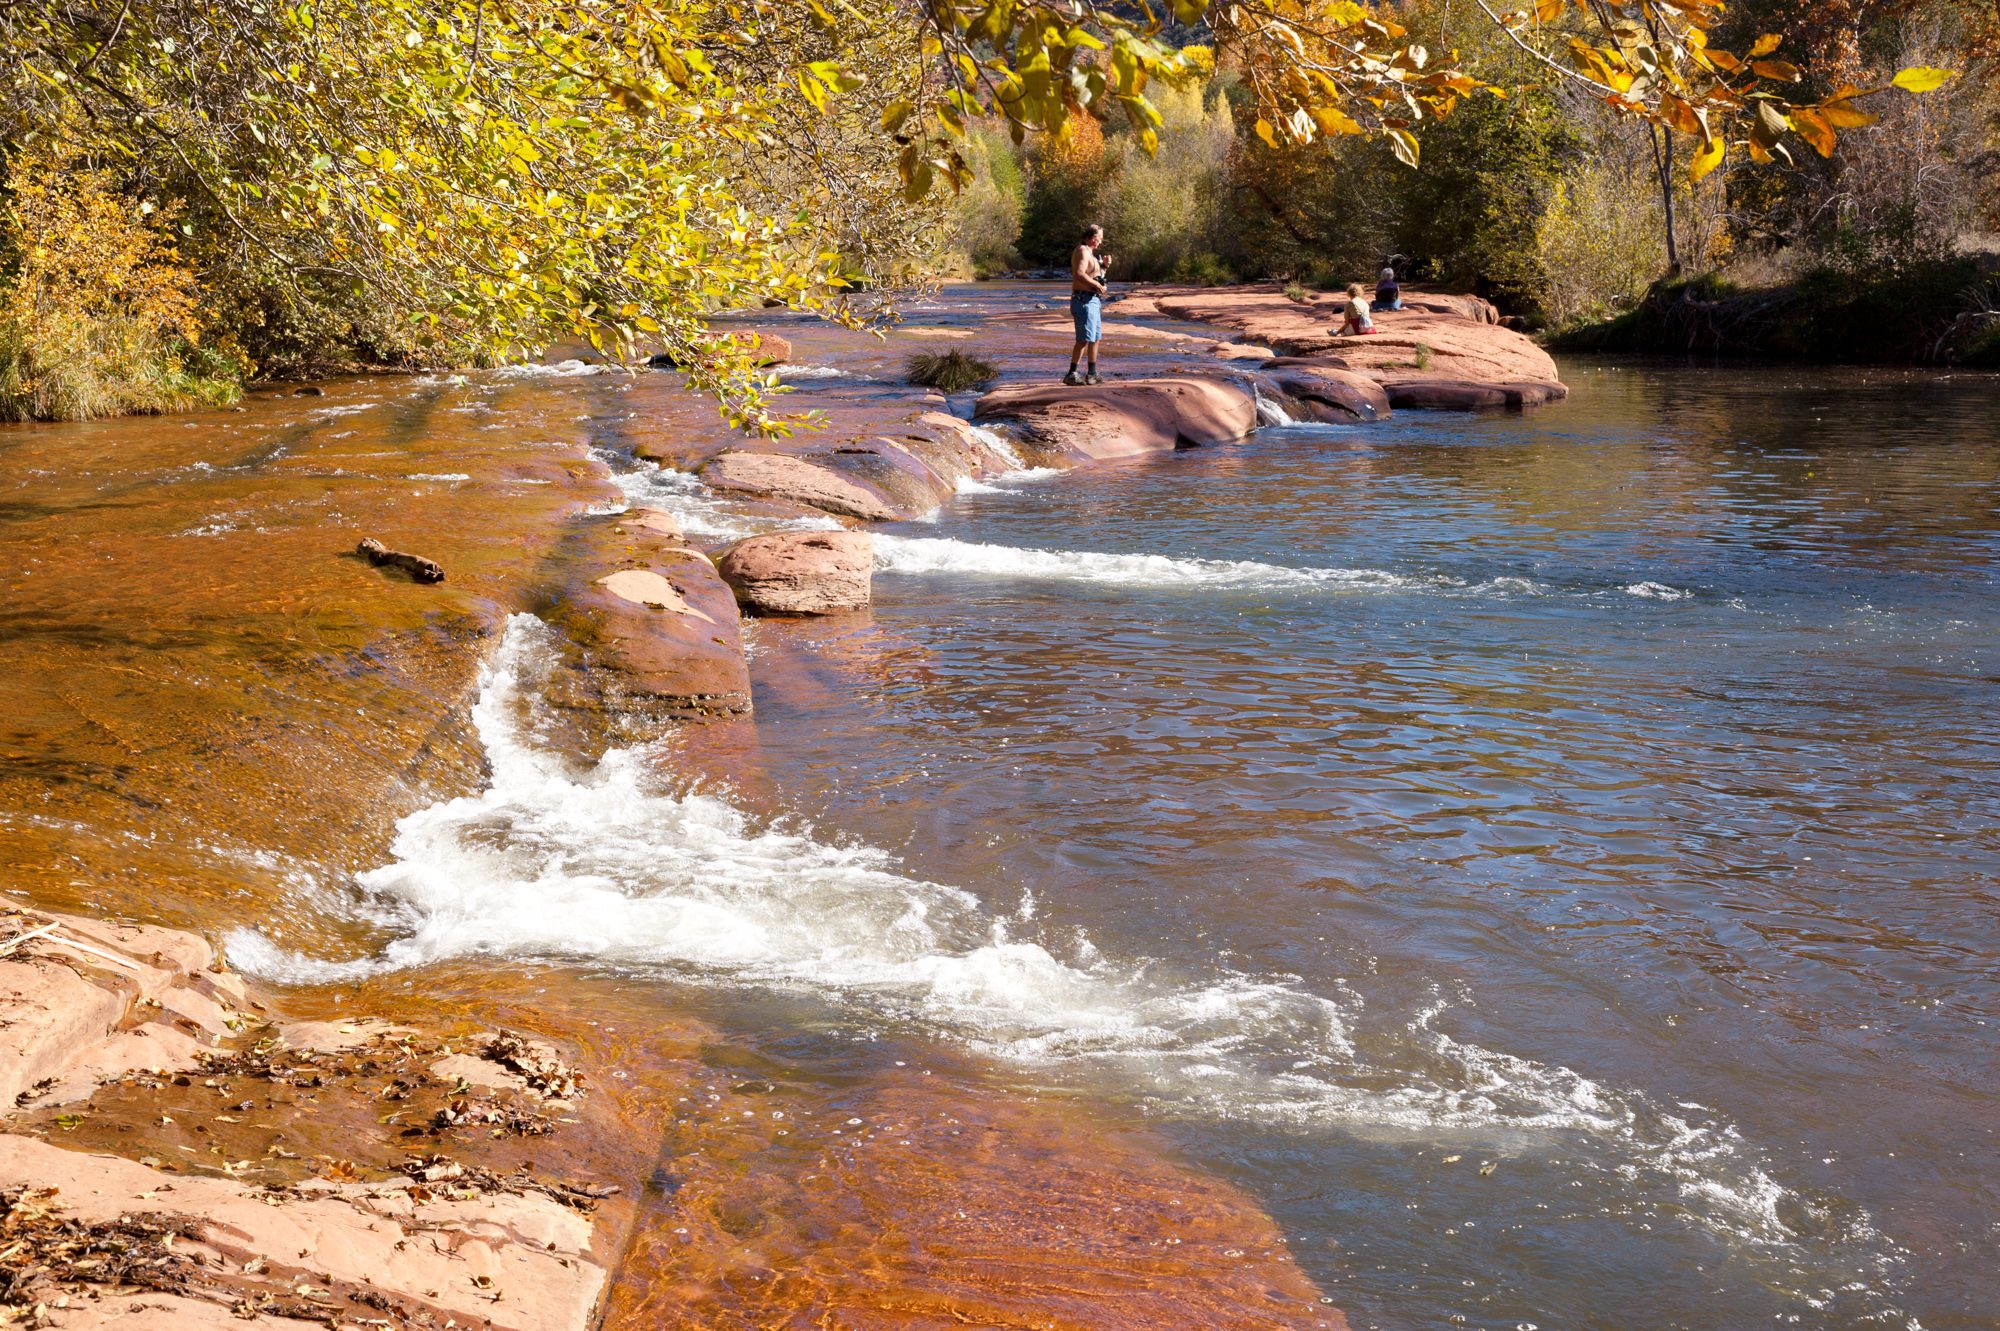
<point>1547,863</point>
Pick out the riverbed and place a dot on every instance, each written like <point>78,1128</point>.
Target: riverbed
<point>1548,862</point>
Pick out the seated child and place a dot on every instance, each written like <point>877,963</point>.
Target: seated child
<point>1357,312</point>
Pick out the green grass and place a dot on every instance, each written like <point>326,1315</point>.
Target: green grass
<point>950,371</point>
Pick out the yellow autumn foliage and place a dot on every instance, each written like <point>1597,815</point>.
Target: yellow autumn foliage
<point>96,309</point>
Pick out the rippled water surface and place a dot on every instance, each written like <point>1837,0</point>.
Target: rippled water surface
<point>1553,860</point>
<point>1550,862</point>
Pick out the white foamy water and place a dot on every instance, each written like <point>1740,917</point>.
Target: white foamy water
<point>904,554</point>
<point>788,372</point>
<point>1270,413</point>
<point>699,510</point>
<point>598,864</point>
<point>1657,591</point>
<point>568,369</point>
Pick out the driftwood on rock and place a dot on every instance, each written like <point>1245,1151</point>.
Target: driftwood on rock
<point>381,556</point>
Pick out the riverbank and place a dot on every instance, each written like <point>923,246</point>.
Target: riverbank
<point>222,715</point>
<point>1944,313</point>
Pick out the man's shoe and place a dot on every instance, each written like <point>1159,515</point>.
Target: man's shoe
<point>1092,378</point>
<point>1072,379</point>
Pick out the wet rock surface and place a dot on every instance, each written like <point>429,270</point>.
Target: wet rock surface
<point>655,627</point>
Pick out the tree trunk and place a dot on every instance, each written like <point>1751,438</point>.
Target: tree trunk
<point>1662,139</point>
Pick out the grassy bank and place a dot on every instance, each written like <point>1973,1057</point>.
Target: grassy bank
<point>1939,313</point>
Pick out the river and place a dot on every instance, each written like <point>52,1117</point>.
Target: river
<point>1551,862</point>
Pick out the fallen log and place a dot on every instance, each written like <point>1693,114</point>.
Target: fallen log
<point>381,556</point>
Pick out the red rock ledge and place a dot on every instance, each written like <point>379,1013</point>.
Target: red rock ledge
<point>1441,352</point>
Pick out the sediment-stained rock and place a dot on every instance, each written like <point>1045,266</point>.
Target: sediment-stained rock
<point>1124,417</point>
<point>655,623</point>
<point>1457,395</point>
<point>801,573</point>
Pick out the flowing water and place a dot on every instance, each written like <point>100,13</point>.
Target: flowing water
<point>1550,862</point>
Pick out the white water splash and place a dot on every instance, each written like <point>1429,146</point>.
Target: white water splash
<point>568,369</point>
<point>596,864</point>
<point>1656,591</point>
<point>1271,414</point>
<point>701,512</point>
<point>902,554</point>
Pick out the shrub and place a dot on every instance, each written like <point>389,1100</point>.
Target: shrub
<point>987,214</point>
<point>1597,245</point>
<point>1165,209</point>
<point>951,371</point>
<point>1203,270</point>
<point>97,316</point>
<point>1293,291</point>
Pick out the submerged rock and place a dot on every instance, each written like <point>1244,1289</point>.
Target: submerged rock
<point>801,573</point>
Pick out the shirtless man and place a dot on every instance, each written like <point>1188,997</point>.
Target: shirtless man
<point>1086,303</point>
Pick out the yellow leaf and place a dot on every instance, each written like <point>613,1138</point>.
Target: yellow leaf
<point>1548,11</point>
<point>1765,45</point>
<point>1333,120</point>
<point>1812,127</point>
<point>1922,78</point>
<point>1404,145</point>
<point>1266,133</point>
<point>1784,71</point>
<point>1706,159</point>
<point>1842,114</point>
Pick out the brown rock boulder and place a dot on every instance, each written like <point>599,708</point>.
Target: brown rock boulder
<point>1126,417</point>
<point>797,480</point>
<point>801,572</point>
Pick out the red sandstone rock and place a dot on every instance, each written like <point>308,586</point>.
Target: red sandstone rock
<point>505,1261</point>
<point>653,619</point>
<point>1328,392</point>
<point>92,1000</point>
<point>801,573</point>
<point>1125,417</point>
<point>1438,341</point>
<point>910,485</point>
<point>795,479</point>
<point>1453,395</point>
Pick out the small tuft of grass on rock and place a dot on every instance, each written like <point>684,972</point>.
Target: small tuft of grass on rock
<point>950,371</point>
<point>1423,356</point>
<point>1294,291</point>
